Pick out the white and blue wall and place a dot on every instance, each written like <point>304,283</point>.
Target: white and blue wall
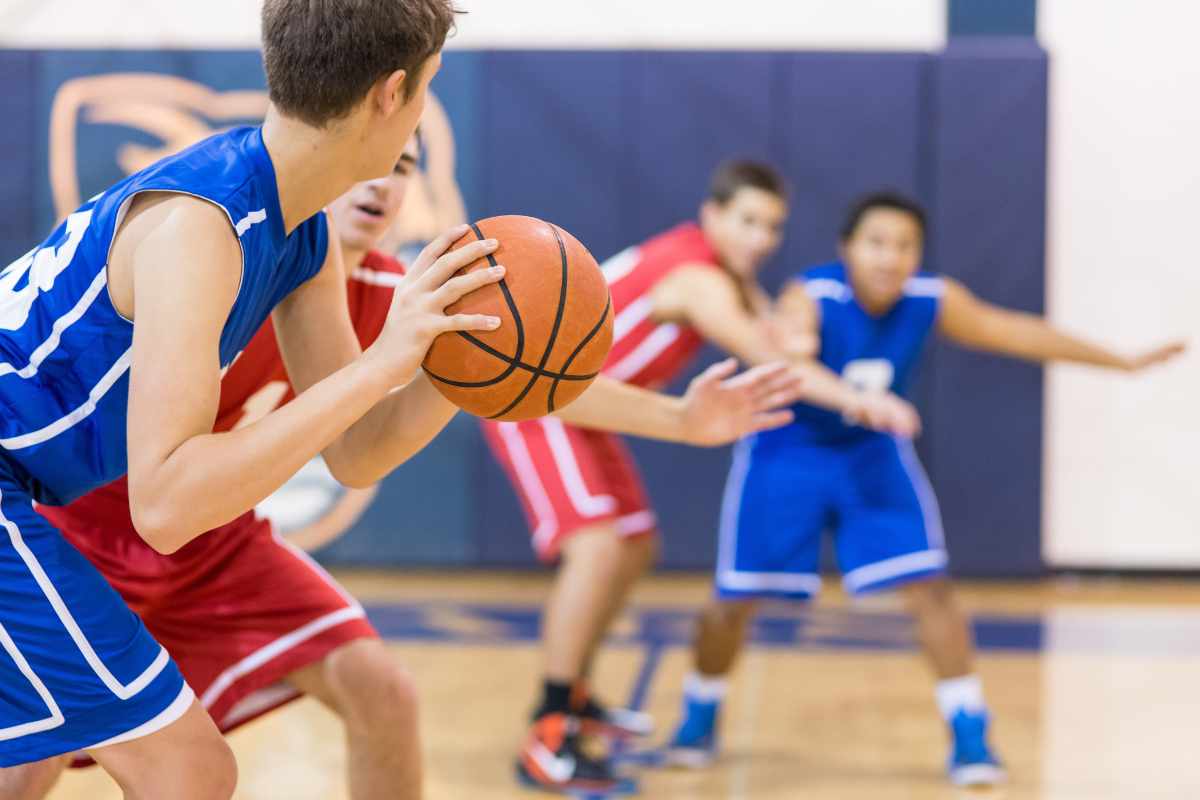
<point>1055,183</point>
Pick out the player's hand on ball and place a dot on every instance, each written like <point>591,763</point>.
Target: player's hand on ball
<point>418,312</point>
<point>885,412</point>
<point>1158,355</point>
<point>719,409</point>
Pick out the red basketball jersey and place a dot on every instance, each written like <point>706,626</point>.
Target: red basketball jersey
<point>646,352</point>
<point>253,386</point>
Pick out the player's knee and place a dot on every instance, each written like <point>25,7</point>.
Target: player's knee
<point>929,596</point>
<point>373,689</point>
<point>209,771</point>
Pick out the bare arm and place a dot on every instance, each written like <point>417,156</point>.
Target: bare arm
<point>183,479</point>
<point>979,325</point>
<point>316,339</point>
<point>183,262</point>
<point>716,409</point>
<point>798,327</point>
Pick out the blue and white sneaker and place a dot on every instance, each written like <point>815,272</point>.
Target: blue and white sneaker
<point>972,762</point>
<point>694,744</point>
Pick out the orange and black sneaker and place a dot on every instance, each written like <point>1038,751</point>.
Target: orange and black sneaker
<point>553,759</point>
<point>612,723</point>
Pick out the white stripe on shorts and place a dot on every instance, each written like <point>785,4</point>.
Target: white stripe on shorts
<point>911,563</point>
<point>531,483</point>
<point>586,503</point>
<point>121,690</point>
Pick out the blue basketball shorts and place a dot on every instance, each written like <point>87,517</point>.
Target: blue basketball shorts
<point>78,669</point>
<point>782,495</point>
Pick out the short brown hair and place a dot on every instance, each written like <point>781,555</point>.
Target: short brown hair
<point>738,174</point>
<point>322,56</point>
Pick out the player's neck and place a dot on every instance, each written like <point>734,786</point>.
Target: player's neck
<point>353,258</point>
<point>312,167</point>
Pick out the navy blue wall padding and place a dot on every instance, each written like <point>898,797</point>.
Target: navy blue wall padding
<point>618,145</point>
<point>992,18</point>
<point>989,232</point>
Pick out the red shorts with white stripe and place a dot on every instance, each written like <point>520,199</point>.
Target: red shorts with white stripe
<point>239,609</point>
<point>570,478</point>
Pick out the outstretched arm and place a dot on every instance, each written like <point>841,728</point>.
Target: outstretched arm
<point>797,326</point>
<point>718,407</point>
<point>979,325</point>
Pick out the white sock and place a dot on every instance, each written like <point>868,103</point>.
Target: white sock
<point>704,688</point>
<point>956,694</point>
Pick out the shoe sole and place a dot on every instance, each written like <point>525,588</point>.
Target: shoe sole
<point>621,787</point>
<point>977,775</point>
<point>688,758</point>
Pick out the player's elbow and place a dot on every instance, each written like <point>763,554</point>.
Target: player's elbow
<point>352,477</point>
<point>158,525</point>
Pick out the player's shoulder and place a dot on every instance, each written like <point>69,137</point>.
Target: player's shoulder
<point>825,282</point>
<point>925,285</point>
<point>378,269</point>
<point>684,243</point>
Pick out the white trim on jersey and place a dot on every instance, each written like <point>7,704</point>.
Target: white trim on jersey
<point>924,286</point>
<point>792,582</point>
<point>178,707</point>
<point>921,561</point>
<point>586,503</point>
<point>121,690</point>
<point>288,641</point>
<point>527,476</point>
<point>78,415</point>
<point>637,522</point>
<point>56,717</point>
<point>249,221</point>
<point>261,656</point>
<point>376,277</point>
<point>644,354</point>
<point>56,330</point>
<point>616,267</point>
<point>256,703</point>
<point>930,510</point>
<point>631,316</point>
<point>728,575</point>
<point>828,289</point>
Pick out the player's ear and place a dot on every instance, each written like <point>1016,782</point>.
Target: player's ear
<point>390,92</point>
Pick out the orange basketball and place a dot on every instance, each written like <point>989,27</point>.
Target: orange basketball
<point>555,332</point>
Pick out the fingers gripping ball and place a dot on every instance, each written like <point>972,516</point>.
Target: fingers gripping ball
<point>555,332</point>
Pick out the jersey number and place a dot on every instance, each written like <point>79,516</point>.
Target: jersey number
<point>38,269</point>
<point>870,374</point>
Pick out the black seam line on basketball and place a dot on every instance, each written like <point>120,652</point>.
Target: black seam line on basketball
<point>539,373</point>
<point>521,365</point>
<point>579,349</point>
<point>516,314</point>
<point>558,316</point>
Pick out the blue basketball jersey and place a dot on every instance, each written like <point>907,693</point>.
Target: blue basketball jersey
<point>871,353</point>
<point>65,351</point>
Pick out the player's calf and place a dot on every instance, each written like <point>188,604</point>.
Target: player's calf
<point>187,760</point>
<point>945,634</point>
<point>720,632</point>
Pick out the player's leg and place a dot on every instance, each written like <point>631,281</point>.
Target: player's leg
<point>573,515</point>
<point>772,515</point>
<point>256,622</point>
<point>891,538</point>
<point>79,671</point>
<point>187,760</point>
<point>32,781</point>
<point>377,702</point>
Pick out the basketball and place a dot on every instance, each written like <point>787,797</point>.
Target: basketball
<point>555,332</point>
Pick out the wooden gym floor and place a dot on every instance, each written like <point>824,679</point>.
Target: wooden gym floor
<point>1093,686</point>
